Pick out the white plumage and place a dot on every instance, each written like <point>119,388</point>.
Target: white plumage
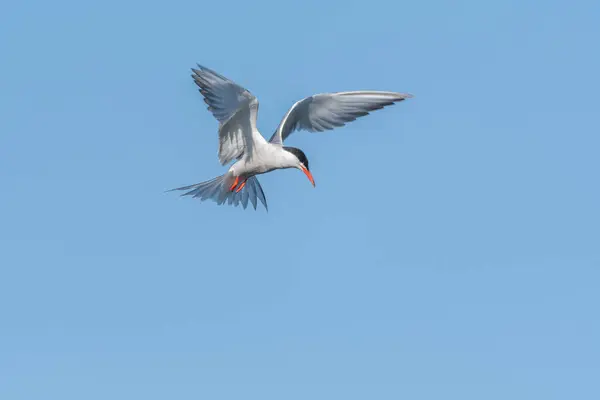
<point>236,110</point>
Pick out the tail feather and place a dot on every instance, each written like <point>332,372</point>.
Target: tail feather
<point>217,190</point>
<point>245,197</point>
<point>259,192</point>
<point>252,193</point>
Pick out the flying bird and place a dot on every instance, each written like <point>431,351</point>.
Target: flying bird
<point>236,109</point>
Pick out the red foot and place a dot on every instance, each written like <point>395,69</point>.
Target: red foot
<point>239,189</point>
<point>237,179</point>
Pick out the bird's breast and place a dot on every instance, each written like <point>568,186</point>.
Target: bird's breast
<point>261,162</point>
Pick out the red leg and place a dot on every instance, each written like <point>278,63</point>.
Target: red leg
<point>235,183</point>
<point>239,189</point>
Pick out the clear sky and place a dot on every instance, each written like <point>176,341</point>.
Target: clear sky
<point>450,250</point>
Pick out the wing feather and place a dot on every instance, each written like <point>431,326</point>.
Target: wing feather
<point>328,111</point>
<point>236,110</point>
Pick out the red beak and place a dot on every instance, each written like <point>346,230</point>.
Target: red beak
<point>308,175</point>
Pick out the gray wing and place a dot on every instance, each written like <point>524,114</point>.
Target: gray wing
<point>236,110</point>
<point>332,110</point>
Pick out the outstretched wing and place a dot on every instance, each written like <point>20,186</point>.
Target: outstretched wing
<point>328,111</point>
<point>234,107</point>
<point>222,96</point>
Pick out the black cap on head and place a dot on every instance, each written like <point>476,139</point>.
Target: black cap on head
<point>299,155</point>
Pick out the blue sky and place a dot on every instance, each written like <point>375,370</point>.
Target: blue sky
<point>451,247</point>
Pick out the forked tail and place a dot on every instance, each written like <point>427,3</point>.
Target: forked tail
<point>217,190</point>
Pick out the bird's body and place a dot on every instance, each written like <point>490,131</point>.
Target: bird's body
<point>239,139</point>
<point>267,157</point>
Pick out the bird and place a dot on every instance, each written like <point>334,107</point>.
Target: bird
<point>236,110</point>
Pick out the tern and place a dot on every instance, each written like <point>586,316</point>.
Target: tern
<point>236,109</point>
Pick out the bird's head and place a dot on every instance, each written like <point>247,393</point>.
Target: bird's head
<point>301,162</point>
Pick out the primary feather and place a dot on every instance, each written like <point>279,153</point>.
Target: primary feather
<point>327,111</point>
